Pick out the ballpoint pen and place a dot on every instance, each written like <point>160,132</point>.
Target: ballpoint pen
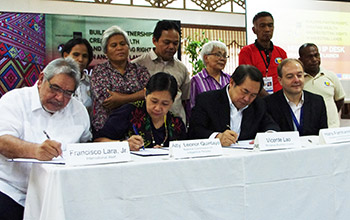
<point>137,133</point>
<point>48,137</point>
<point>229,128</point>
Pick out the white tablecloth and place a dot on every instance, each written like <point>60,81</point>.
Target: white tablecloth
<point>307,183</point>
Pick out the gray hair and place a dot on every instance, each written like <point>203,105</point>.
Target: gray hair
<point>111,31</point>
<point>209,47</point>
<point>63,66</point>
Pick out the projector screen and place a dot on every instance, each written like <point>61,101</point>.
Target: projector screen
<point>324,23</point>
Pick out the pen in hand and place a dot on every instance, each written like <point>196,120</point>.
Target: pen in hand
<point>229,128</point>
<point>48,137</point>
<point>137,133</point>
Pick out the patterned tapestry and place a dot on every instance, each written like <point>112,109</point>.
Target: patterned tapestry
<point>22,49</point>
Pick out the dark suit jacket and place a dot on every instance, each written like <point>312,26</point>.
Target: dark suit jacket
<point>212,114</point>
<point>314,112</point>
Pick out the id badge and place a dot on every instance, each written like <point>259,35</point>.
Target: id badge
<point>268,85</point>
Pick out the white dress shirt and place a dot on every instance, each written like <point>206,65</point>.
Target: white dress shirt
<point>296,109</point>
<point>236,117</point>
<point>22,116</point>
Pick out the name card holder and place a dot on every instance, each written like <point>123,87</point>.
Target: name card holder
<point>195,148</point>
<point>277,140</point>
<point>334,135</point>
<point>97,153</point>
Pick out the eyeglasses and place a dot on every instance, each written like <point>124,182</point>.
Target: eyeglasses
<point>56,89</point>
<point>219,55</point>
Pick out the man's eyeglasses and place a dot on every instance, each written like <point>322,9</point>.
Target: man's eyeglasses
<point>219,55</point>
<point>56,89</point>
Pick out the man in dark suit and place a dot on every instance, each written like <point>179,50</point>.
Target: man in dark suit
<point>234,112</point>
<point>293,108</point>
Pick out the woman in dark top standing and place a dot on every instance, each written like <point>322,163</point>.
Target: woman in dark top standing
<point>146,123</point>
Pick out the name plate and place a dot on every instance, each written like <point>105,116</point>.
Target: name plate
<point>334,135</point>
<point>97,153</point>
<point>277,140</point>
<point>195,148</point>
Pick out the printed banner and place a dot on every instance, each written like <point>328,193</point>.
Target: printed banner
<point>61,28</point>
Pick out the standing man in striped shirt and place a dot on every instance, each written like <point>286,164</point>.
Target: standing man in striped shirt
<point>214,57</point>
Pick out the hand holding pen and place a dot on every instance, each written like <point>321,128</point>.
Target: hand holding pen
<point>228,137</point>
<point>136,141</point>
<point>48,149</point>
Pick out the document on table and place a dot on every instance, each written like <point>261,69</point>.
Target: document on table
<point>151,152</point>
<point>56,160</point>
<point>245,144</point>
<point>309,141</point>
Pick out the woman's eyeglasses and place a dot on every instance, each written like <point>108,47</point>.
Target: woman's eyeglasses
<point>219,55</point>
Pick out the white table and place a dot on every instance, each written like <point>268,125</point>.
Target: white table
<point>307,183</point>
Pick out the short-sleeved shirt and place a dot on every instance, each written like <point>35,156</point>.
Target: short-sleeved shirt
<point>254,54</point>
<point>22,116</point>
<point>174,67</point>
<point>203,82</point>
<point>104,77</point>
<point>327,85</point>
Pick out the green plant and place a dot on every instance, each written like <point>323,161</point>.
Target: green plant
<point>193,49</point>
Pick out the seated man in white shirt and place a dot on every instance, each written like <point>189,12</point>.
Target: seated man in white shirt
<point>35,122</point>
<point>293,108</point>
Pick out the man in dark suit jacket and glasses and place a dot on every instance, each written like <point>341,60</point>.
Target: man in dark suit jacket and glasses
<point>234,112</point>
<point>293,108</point>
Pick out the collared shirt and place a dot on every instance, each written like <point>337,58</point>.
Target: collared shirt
<point>296,109</point>
<point>203,82</point>
<point>22,116</point>
<point>327,85</point>
<point>261,48</point>
<point>155,64</point>
<point>250,55</point>
<point>104,77</point>
<point>236,116</point>
<point>82,93</point>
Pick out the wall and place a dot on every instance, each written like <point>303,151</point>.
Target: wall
<point>16,73</point>
<point>93,9</point>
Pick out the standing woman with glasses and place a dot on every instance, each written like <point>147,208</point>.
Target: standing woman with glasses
<point>214,56</point>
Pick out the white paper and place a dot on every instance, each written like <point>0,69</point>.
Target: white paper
<point>245,144</point>
<point>309,141</point>
<point>151,152</point>
<point>56,160</point>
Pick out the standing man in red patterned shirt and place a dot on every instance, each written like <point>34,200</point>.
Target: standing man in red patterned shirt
<point>263,54</point>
